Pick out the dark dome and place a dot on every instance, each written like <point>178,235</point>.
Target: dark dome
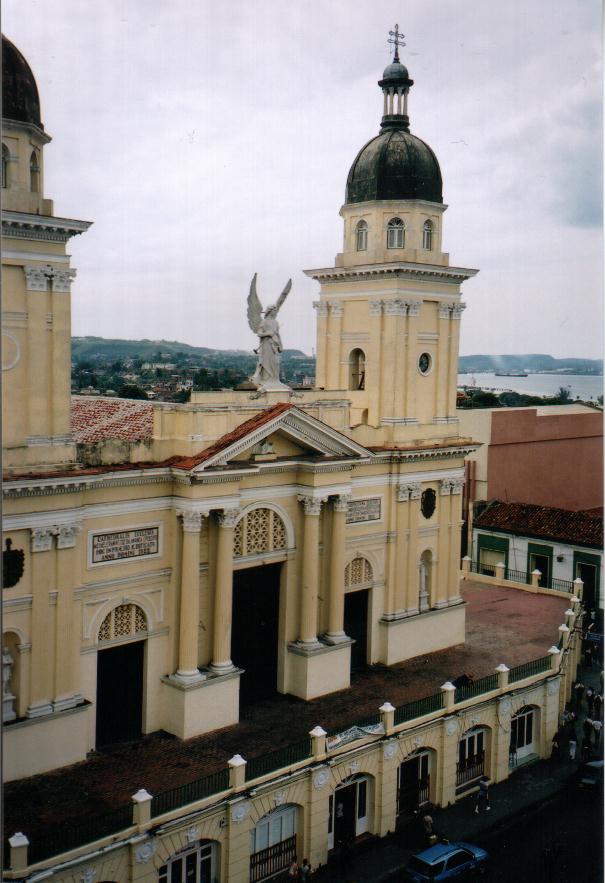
<point>20,100</point>
<point>394,165</point>
<point>395,71</point>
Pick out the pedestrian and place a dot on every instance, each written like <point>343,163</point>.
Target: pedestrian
<point>587,727</point>
<point>579,692</point>
<point>429,829</point>
<point>482,797</point>
<point>586,749</point>
<point>572,749</point>
<point>598,706</point>
<point>305,870</point>
<point>597,727</point>
<point>590,700</point>
<point>556,747</point>
<point>588,655</point>
<point>293,870</point>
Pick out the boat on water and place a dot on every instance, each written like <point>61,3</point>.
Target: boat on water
<point>510,374</point>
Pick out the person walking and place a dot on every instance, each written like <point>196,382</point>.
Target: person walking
<point>590,700</point>
<point>588,655</point>
<point>587,727</point>
<point>556,747</point>
<point>572,748</point>
<point>579,692</point>
<point>482,797</point>
<point>597,726</point>
<point>305,870</point>
<point>598,706</point>
<point>293,870</point>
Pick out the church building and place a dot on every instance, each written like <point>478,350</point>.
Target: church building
<point>252,542</point>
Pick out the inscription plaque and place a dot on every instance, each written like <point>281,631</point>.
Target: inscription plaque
<point>363,510</point>
<point>125,544</point>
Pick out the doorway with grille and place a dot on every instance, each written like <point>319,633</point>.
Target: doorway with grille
<point>120,693</point>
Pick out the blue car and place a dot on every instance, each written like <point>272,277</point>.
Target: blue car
<point>447,861</point>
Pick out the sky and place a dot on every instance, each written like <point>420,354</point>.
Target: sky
<point>208,141</point>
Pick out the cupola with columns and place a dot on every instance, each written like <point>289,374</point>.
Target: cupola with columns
<point>389,309</point>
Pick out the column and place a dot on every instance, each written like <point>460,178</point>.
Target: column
<point>453,358</point>
<point>335,347</point>
<point>322,341</point>
<point>188,671</point>
<point>401,370</point>
<point>415,490</point>
<point>223,593</point>
<point>373,364</point>
<point>441,588</point>
<point>60,352</point>
<point>336,602</point>
<point>443,349</point>
<point>310,571</point>
<point>38,338</point>
<point>40,690</point>
<point>67,679</point>
<point>388,354</point>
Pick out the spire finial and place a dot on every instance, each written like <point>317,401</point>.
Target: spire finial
<point>397,39</point>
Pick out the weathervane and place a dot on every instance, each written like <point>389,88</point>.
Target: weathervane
<point>397,40</point>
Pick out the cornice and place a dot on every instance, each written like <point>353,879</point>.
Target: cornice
<point>25,225</point>
<point>49,486</point>
<point>398,269</point>
<point>448,453</point>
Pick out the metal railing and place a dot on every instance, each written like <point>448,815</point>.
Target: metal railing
<point>271,861</point>
<point>528,669</point>
<point>410,797</point>
<point>275,760</point>
<point>418,708</point>
<point>561,585</point>
<point>483,685</point>
<point>517,576</point>
<point>189,793</point>
<point>71,836</point>
<point>471,768</point>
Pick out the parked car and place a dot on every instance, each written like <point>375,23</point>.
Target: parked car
<point>447,861</point>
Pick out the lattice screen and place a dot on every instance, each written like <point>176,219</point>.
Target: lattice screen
<point>122,622</point>
<point>262,530</point>
<point>358,572</point>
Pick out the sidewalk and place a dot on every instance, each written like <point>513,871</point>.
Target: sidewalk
<point>527,787</point>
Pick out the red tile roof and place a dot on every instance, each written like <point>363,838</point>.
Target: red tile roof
<point>558,525</point>
<point>98,419</point>
<point>231,437</point>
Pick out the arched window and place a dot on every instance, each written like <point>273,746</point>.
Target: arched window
<point>5,160</point>
<point>361,234</point>
<point>427,235</point>
<point>349,810</point>
<point>261,530</point>
<point>195,863</point>
<point>358,574</point>
<point>395,233</point>
<point>34,172</point>
<point>471,757</point>
<point>414,781</point>
<point>124,621</point>
<point>273,843</point>
<point>357,369</point>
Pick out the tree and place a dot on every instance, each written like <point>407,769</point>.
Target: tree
<point>131,391</point>
<point>485,399</point>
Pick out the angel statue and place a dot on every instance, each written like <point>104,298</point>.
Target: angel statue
<point>270,346</point>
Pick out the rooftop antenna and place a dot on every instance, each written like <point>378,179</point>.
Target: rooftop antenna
<point>397,39</point>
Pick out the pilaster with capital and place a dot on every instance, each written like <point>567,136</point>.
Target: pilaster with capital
<point>390,370</point>
<point>335,632</point>
<point>189,618</point>
<point>43,571</point>
<point>67,684</point>
<point>415,492</point>
<point>411,359</point>
<point>334,345</point>
<point>443,575</point>
<point>442,367</point>
<point>402,549</point>
<point>223,593</point>
<point>454,345</point>
<point>321,306</point>
<point>374,371</point>
<point>310,570</point>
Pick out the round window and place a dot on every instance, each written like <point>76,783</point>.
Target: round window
<point>427,502</point>
<point>424,363</point>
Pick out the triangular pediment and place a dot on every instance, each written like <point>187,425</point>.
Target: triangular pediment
<point>287,432</point>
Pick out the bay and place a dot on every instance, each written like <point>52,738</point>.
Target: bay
<point>585,387</point>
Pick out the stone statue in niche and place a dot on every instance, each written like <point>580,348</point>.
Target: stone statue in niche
<point>266,377</point>
<point>423,593</point>
<point>8,698</point>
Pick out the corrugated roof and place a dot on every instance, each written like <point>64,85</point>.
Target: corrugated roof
<point>544,522</point>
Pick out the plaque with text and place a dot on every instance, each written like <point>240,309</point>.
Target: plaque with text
<point>125,544</point>
<point>363,510</point>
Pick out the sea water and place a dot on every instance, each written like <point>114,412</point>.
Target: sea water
<point>582,386</point>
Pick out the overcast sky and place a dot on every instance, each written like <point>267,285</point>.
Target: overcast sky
<point>210,140</point>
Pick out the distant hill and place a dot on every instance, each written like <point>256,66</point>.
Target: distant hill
<point>103,349</point>
<point>531,362</point>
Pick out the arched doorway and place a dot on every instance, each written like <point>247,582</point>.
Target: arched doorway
<point>349,811</point>
<point>357,369</point>
<point>120,666</point>
<point>471,758</point>
<point>195,863</point>
<point>524,734</point>
<point>256,590</point>
<point>414,782</point>
<point>273,843</point>
<point>358,581</point>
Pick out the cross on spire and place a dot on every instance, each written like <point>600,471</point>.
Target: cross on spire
<point>397,39</point>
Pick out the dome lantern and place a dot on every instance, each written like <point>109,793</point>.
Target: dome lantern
<point>395,85</point>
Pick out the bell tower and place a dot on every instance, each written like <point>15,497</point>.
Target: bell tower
<point>36,283</point>
<point>388,315</point>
